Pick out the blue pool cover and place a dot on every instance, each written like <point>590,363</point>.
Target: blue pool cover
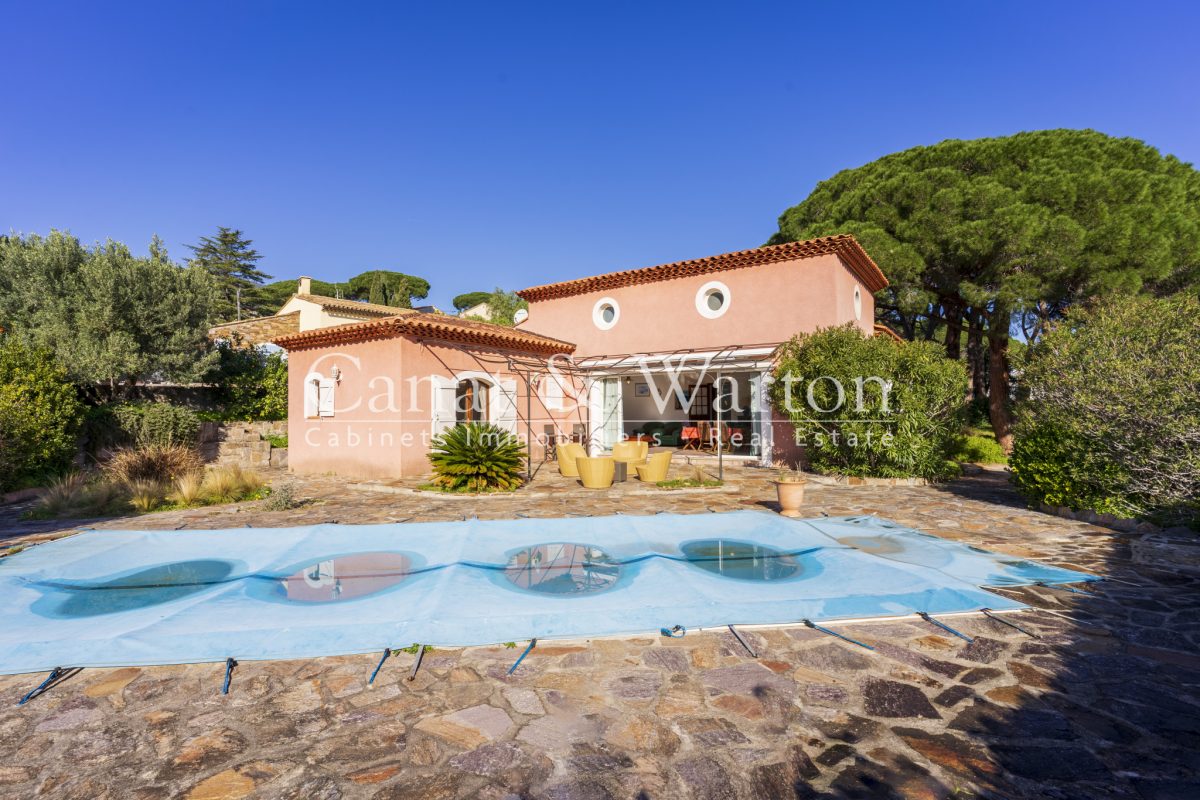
<point>110,598</point>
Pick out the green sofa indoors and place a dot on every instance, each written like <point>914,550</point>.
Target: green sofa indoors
<point>665,434</point>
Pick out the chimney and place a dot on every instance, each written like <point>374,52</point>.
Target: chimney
<point>305,285</point>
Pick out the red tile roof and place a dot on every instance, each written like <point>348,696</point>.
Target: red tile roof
<point>253,331</point>
<point>354,307</point>
<point>843,245</point>
<point>884,330</point>
<point>428,326</point>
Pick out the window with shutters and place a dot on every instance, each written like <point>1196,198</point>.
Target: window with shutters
<point>471,398</point>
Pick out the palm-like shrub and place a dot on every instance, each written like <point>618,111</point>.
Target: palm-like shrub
<point>476,457</point>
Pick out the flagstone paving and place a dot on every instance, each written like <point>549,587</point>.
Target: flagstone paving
<point>1105,703</point>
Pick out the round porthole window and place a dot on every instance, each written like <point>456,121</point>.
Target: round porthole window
<point>857,303</point>
<point>712,300</point>
<point>605,313</point>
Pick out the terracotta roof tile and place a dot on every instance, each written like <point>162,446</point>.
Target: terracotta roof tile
<point>355,307</point>
<point>258,329</point>
<point>430,326</point>
<point>884,330</point>
<point>843,245</point>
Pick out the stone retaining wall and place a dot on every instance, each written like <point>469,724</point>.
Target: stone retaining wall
<point>243,443</point>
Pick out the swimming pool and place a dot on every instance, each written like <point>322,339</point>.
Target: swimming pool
<point>110,598</point>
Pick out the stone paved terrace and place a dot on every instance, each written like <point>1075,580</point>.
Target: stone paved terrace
<point>1106,703</point>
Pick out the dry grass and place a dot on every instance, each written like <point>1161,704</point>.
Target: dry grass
<point>120,487</point>
<point>146,495</point>
<point>230,483</point>
<point>77,495</point>
<point>64,494</point>
<point>188,489</point>
<point>161,463</point>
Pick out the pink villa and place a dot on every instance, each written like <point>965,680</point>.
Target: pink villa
<point>643,352</point>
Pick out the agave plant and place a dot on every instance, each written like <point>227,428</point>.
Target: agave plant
<point>476,457</point>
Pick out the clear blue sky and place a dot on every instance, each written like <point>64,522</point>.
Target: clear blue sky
<point>484,144</point>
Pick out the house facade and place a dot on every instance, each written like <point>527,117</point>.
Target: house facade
<point>639,352</point>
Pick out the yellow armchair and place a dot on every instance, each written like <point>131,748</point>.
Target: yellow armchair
<point>596,473</point>
<point>567,454</point>
<point>631,452</point>
<point>656,467</point>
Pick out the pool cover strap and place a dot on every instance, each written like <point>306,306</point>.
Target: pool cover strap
<point>817,627</point>
<point>412,676</point>
<point>54,675</point>
<point>532,644</point>
<point>229,665</point>
<point>946,628</point>
<point>1060,587</point>
<point>742,642</point>
<point>987,612</point>
<point>387,651</point>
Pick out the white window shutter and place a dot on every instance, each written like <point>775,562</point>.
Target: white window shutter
<point>325,397</point>
<point>312,393</point>
<point>506,406</point>
<point>552,393</point>
<point>443,404</point>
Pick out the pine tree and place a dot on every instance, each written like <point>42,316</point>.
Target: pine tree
<point>377,294</point>
<point>230,259</point>
<point>990,233</point>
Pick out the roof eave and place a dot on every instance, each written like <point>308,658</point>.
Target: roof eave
<point>844,246</point>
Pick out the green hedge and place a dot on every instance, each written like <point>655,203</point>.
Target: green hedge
<point>141,424</point>
<point>1110,420</point>
<point>908,436</point>
<point>978,447</point>
<point>253,385</point>
<point>40,415</point>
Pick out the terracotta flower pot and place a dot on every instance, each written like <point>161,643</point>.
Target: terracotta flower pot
<point>791,497</point>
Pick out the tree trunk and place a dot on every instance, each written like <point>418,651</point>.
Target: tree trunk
<point>998,376</point>
<point>975,353</point>
<point>931,324</point>
<point>953,329</point>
